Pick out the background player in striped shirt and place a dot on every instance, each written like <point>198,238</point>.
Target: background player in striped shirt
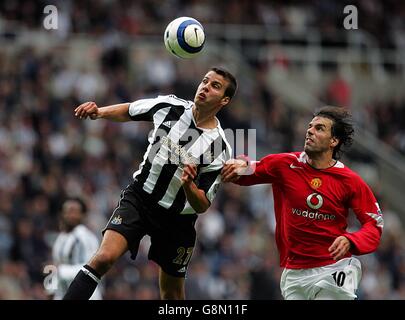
<point>73,247</point>
<point>178,178</point>
<point>313,193</point>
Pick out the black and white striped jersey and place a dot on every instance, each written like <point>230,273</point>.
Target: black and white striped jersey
<point>177,140</point>
<point>70,252</point>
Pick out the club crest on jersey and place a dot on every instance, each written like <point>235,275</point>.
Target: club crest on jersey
<point>316,183</point>
<point>116,220</point>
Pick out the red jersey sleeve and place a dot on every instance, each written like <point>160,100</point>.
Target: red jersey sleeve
<point>368,212</point>
<point>264,171</point>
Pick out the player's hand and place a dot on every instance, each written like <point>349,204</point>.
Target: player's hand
<point>189,173</point>
<point>233,169</point>
<point>339,248</point>
<point>87,109</point>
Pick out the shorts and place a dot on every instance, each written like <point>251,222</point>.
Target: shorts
<point>172,235</point>
<point>338,281</point>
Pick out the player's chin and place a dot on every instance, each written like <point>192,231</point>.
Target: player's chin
<point>309,148</point>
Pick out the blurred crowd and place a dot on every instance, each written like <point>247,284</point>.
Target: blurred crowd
<point>47,154</point>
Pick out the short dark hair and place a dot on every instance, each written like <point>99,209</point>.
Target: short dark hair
<point>80,201</point>
<point>342,127</point>
<point>232,85</point>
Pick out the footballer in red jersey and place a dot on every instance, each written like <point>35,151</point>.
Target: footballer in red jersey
<point>313,193</point>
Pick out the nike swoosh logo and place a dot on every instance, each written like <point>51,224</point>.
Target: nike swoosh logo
<point>295,167</point>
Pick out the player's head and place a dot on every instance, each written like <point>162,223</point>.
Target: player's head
<point>229,77</point>
<point>329,131</point>
<point>73,212</point>
<point>217,88</point>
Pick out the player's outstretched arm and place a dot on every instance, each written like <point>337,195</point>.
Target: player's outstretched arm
<point>233,169</point>
<point>116,112</point>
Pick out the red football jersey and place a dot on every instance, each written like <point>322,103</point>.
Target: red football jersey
<point>311,207</point>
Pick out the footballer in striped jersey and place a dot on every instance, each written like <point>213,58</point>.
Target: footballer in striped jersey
<point>177,180</point>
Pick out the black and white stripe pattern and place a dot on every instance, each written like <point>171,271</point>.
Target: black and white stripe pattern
<point>176,140</point>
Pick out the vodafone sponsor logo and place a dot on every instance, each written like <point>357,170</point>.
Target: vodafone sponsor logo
<point>313,215</point>
<point>314,201</point>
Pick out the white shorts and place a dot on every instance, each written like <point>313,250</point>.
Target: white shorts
<point>338,281</point>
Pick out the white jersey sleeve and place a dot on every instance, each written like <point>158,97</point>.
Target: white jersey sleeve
<point>145,109</point>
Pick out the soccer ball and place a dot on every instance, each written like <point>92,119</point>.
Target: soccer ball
<point>184,37</point>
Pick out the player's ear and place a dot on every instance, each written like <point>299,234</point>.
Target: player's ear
<point>225,100</point>
<point>334,142</point>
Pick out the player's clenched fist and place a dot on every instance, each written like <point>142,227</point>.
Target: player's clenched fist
<point>87,109</point>
<point>189,173</point>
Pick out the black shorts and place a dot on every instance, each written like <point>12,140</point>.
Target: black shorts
<point>172,235</point>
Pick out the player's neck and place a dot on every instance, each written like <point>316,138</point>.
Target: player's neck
<point>203,119</point>
<point>321,161</point>
<point>68,228</point>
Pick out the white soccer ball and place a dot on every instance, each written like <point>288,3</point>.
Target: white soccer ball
<point>184,37</point>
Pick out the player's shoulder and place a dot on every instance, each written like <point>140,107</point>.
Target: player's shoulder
<point>345,171</point>
<point>351,179</point>
<point>175,101</point>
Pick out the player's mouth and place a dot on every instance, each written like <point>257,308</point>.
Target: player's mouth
<point>201,96</point>
<point>308,140</point>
